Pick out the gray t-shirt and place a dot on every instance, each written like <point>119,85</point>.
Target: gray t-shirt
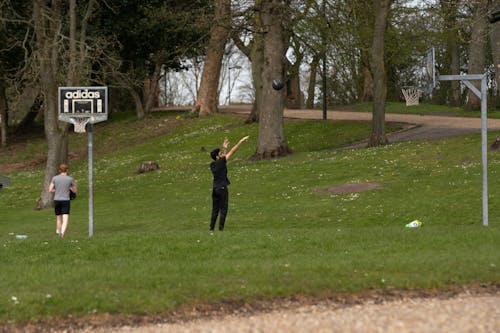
<point>62,183</point>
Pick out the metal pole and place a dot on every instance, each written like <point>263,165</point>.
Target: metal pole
<point>484,146</point>
<point>324,65</point>
<point>91,181</point>
<point>483,95</point>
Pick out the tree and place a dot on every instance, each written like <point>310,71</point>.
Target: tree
<point>52,33</point>
<point>244,31</point>
<point>477,48</point>
<point>306,33</point>
<point>4,120</point>
<point>248,37</point>
<point>495,42</point>
<point>312,80</point>
<point>78,72</point>
<point>362,22</point>
<point>451,63</point>
<point>410,33</point>
<point>152,37</point>
<point>294,99</point>
<point>381,12</point>
<point>207,99</point>
<point>47,25</point>
<point>3,114</point>
<point>271,141</point>
<point>13,33</point>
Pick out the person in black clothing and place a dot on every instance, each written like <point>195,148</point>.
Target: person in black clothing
<point>220,194</point>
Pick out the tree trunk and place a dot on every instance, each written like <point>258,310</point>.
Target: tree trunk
<point>255,53</point>
<point>139,108</point>
<point>367,94</point>
<point>4,118</point>
<point>477,49</point>
<point>378,136</point>
<point>124,81</point>
<point>271,141</point>
<point>495,49</point>
<point>47,34</point>
<point>257,60</point>
<point>55,61</point>
<point>207,100</point>
<point>455,69</point>
<point>151,93</point>
<point>294,97</point>
<point>72,67</point>
<point>312,81</point>
<point>452,58</point>
<point>77,71</point>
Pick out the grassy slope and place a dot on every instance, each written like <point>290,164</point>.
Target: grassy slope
<point>152,251</point>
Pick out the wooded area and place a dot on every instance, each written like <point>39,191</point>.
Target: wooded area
<point>348,50</point>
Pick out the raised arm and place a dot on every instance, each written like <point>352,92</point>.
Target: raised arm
<point>235,148</point>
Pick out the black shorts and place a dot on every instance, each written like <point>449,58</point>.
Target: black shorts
<point>61,207</point>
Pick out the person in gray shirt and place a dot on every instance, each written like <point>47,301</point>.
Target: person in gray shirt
<point>60,185</point>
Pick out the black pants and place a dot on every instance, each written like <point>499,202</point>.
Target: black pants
<point>220,200</point>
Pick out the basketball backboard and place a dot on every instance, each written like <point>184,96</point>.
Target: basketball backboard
<point>430,69</point>
<point>81,105</point>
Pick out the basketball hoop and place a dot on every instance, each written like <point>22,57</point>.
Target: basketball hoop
<point>412,95</point>
<point>80,123</point>
<point>83,105</point>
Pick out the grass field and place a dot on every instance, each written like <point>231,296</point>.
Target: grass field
<point>285,234</point>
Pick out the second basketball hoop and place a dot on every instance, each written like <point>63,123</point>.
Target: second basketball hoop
<point>412,95</point>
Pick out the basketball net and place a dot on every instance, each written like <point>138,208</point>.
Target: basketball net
<point>80,123</point>
<point>412,95</point>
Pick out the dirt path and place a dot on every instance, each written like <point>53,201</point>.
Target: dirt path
<point>463,313</point>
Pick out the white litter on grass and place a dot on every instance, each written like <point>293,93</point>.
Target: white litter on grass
<point>414,224</point>
<point>21,236</point>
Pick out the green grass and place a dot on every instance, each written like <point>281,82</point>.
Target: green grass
<point>151,251</point>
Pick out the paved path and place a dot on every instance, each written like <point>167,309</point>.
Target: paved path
<point>420,127</point>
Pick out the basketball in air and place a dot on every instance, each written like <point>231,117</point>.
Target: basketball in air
<point>278,84</point>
